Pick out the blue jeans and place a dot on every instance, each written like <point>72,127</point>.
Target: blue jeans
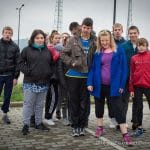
<point>6,82</point>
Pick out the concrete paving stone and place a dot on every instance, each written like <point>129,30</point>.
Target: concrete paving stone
<point>47,144</point>
<point>41,148</point>
<point>29,148</point>
<point>60,137</point>
<point>3,147</point>
<point>17,147</point>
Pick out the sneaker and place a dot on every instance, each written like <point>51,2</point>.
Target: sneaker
<point>81,131</point>
<point>66,122</point>
<point>138,132</point>
<point>32,121</point>
<point>75,132</point>
<point>113,123</point>
<point>6,120</point>
<point>58,115</point>
<point>55,119</point>
<point>49,122</point>
<point>25,130</point>
<point>127,139</point>
<point>99,132</point>
<point>42,127</point>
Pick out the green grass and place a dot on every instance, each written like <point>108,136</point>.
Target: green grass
<point>17,94</point>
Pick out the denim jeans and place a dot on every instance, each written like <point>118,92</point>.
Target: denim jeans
<point>6,82</point>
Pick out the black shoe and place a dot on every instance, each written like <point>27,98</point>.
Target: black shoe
<point>6,120</point>
<point>81,131</point>
<point>75,132</point>
<point>25,130</point>
<point>58,115</point>
<point>32,121</point>
<point>42,127</point>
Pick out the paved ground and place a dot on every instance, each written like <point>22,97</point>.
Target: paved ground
<point>59,137</point>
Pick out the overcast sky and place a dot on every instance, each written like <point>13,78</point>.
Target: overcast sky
<point>39,14</point>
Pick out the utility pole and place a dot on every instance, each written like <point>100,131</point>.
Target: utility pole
<point>114,14</point>
<point>19,11</point>
<point>129,19</point>
<point>58,15</point>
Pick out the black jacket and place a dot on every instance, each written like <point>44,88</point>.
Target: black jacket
<point>61,70</point>
<point>9,56</point>
<point>36,64</point>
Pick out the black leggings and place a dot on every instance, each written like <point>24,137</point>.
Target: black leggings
<point>138,104</point>
<point>115,104</point>
<point>51,99</point>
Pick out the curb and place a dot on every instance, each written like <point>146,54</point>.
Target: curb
<point>14,104</point>
<point>20,104</point>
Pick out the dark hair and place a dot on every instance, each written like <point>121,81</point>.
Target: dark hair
<point>133,28</point>
<point>73,25</point>
<point>53,31</point>
<point>87,21</point>
<point>142,41</point>
<point>34,34</point>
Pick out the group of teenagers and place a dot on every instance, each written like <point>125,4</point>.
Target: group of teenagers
<point>65,70</point>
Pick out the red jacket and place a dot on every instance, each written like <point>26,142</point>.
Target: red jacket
<point>140,71</point>
<point>55,54</point>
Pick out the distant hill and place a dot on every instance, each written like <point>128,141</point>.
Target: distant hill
<point>22,43</point>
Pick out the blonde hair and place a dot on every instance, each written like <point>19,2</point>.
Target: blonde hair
<point>112,42</point>
<point>117,25</point>
<point>51,37</point>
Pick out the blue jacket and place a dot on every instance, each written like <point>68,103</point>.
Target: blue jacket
<point>118,73</point>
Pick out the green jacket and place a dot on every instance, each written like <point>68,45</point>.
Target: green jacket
<point>129,51</point>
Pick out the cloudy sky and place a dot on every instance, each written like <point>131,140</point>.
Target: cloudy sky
<point>39,14</point>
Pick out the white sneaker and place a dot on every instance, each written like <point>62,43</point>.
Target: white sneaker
<point>55,119</point>
<point>49,122</point>
<point>113,123</point>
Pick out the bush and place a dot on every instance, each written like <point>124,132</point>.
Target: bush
<point>17,94</point>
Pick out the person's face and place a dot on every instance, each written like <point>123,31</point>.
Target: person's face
<point>133,35</point>
<point>105,42</point>
<point>142,48</point>
<point>7,35</point>
<point>39,39</point>
<point>56,39</point>
<point>117,31</point>
<point>86,30</point>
